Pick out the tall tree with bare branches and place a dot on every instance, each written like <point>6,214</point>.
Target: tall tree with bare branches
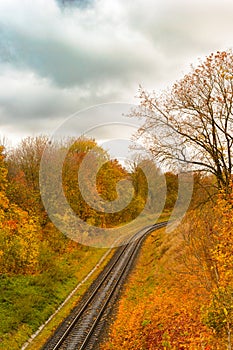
<point>192,123</point>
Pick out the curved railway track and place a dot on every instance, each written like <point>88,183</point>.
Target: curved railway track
<point>82,328</point>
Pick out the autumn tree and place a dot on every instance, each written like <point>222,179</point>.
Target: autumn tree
<point>191,124</point>
<point>19,232</point>
<point>23,172</point>
<point>26,157</point>
<point>76,151</point>
<point>97,197</point>
<point>172,190</point>
<point>4,202</point>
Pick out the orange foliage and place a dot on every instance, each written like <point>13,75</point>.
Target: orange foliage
<point>160,308</point>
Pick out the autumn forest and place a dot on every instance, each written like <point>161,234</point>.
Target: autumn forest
<point>180,292</point>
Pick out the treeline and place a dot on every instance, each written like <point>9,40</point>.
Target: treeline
<point>28,238</point>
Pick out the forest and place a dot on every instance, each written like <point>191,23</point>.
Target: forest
<point>180,295</point>
<point>39,264</point>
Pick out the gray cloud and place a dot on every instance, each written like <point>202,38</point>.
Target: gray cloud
<point>75,48</point>
<point>57,59</point>
<point>74,3</point>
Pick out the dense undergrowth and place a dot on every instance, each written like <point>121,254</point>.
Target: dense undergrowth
<point>180,294</point>
<point>164,302</point>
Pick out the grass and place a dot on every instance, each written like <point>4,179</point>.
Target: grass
<point>65,311</point>
<point>26,302</point>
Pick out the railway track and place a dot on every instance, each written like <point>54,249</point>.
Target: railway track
<point>82,328</point>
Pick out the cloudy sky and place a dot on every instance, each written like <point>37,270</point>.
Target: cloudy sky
<point>58,56</point>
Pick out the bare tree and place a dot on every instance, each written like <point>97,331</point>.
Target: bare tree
<point>192,123</point>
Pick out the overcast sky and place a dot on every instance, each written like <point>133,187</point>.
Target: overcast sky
<point>56,58</point>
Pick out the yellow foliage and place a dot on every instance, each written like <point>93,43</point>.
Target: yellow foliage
<point>19,244</point>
